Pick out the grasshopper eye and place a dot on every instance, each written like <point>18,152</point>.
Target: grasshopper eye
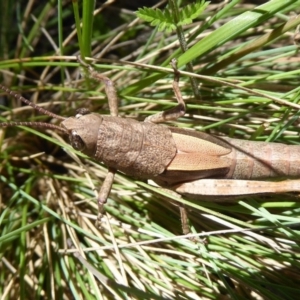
<point>76,141</point>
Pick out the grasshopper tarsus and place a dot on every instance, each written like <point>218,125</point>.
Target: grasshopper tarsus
<point>173,64</point>
<point>184,219</point>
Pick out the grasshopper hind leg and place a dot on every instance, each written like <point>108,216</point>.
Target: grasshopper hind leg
<point>175,112</point>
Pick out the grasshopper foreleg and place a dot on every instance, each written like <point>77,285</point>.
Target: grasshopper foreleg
<point>113,107</point>
<point>108,84</point>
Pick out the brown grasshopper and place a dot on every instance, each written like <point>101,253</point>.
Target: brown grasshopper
<point>186,161</point>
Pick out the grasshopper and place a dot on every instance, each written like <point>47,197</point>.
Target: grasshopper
<point>188,162</point>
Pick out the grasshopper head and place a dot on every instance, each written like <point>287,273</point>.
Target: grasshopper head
<point>83,131</point>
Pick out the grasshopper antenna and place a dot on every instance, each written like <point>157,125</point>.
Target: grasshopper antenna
<point>36,107</point>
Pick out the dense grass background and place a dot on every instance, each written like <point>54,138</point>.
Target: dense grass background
<point>246,249</point>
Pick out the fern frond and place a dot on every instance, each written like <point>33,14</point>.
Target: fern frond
<point>191,12</point>
<point>164,19</point>
<point>157,17</point>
